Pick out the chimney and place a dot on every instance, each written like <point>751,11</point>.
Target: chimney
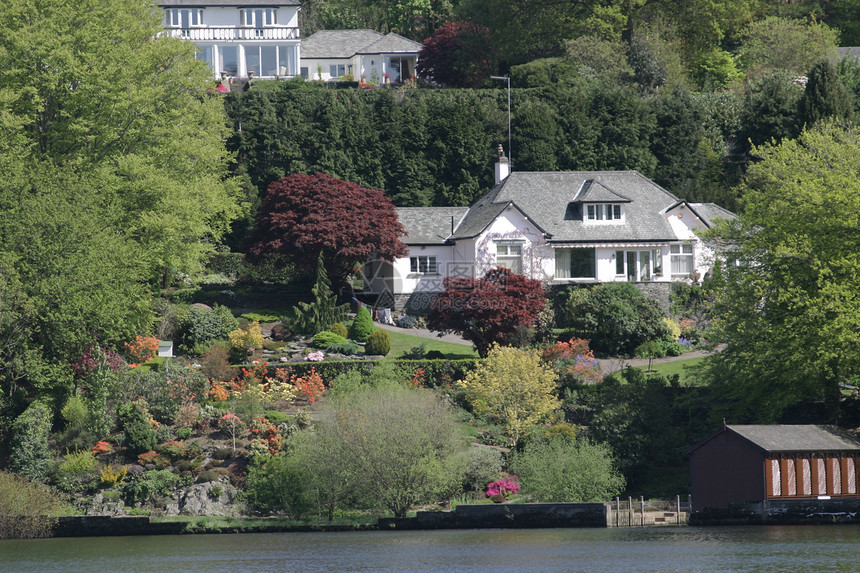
<point>503,168</point>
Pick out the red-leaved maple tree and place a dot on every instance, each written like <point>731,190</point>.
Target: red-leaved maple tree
<point>458,54</point>
<point>303,215</point>
<point>489,309</point>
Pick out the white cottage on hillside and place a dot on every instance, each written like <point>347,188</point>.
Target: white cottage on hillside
<point>561,227</point>
<point>382,58</point>
<point>240,38</point>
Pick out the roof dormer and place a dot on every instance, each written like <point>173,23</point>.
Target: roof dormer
<point>596,203</point>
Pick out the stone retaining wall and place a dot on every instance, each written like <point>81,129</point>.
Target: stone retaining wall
<point>782,512</point>
<point>504,516</point>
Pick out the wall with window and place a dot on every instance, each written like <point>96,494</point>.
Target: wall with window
<point>812,475</point>
<point>329,68</point>
<point>232,17</point>
<point>512,241</point>
<point>686,224</point>
<point>214,31</point>
<point>423,269</point>
<point>589,264</point>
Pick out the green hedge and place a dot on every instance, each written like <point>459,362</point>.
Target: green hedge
<point>437,372</point>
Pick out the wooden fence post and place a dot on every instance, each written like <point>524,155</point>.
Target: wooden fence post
<point>629,511</point>
<point>642,508</point>
<point>678,507</point>
<point>617,510</point>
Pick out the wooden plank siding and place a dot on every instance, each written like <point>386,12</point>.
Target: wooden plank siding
<point>811,475</point>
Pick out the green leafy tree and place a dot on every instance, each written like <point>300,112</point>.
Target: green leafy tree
<point>614,317</point>
<point>564,469</point>
<point>30,455</point>
<point>787,44</point>
<point>403,445</point>
<point>27,509</point>
<point>646,422</point>
<point>323,311</point>
<point>115,173</point>
<point>789,313</point>
<point>514,388</point>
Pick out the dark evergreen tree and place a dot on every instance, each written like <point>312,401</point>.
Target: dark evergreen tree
<point>538,136</point>
<point>770,109</point>
<point>825,96</point>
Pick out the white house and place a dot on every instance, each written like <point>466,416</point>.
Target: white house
<point>330,54</point>
<point>560,227</point>
<point>240,38</point>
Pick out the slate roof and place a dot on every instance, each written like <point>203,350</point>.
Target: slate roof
<point>392,44</point>
<point>848,52</point>
<point>554,200</point>
<point>794,438</point>
<point>711,212</point>
<point>429,225</point>
<point>225,3</point>
<point>339,44</point>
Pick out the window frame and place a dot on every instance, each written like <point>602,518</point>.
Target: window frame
<point>430,265</point>
<point>175,20</point>
<point>248,17</point>
<point>676,259</point>
<point>508,260</point>
<point>610,212</point>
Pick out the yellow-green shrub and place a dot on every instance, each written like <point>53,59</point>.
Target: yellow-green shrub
<point>378,343</point>
<point>111,476</point>
<point>249,337</point>
<point>339,329</point>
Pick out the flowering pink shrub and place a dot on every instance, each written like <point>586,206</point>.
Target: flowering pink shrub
<point>503,487</point>
<point>315,356</point>
<point>89,360</point>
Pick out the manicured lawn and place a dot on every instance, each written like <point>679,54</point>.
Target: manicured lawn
<point>686,369</point>
<point>401,343</point>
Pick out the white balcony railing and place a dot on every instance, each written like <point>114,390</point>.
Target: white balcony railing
<point>227,34</point>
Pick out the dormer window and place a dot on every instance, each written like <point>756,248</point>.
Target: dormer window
<point>258,17</point>
<point>184,17</point>
<point>603,212</point>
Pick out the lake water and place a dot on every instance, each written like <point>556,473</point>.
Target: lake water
<point>760,549</point>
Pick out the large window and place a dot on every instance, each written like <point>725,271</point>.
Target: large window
<point>184,17</point>
<point>205,53</point>
<point>286,60</point>
<point>603,212</point>
<point>510,256</point>
<point>682,259</point>
<point>262,60</point>
<point>229,57</point>
<point>425,265</point>
<point>336,70</point>
<point>575,264</point>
